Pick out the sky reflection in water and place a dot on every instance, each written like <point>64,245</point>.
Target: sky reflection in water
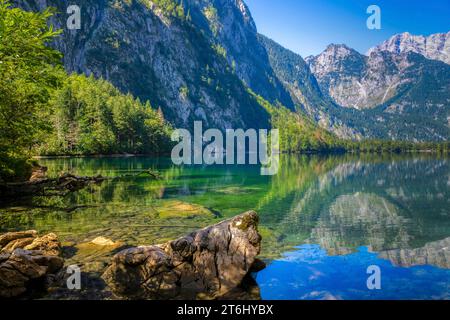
<point>309,273</point>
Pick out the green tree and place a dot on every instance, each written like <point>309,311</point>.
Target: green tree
<point>91,116</point>
<point>29,71</point>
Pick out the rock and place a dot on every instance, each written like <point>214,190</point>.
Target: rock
<point>23,270</point>
<point>392,79</point>
<point>18,243</point>
<point>258,265</point>
<point>95,255</point>
<point>212,262</point>
<point>177,209</point>
<point>435,46</point>
<point>11,236</point>
<point>102,241</point>
<point>47,244</point>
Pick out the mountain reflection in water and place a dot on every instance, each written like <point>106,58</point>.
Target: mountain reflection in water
<point>345,213</point>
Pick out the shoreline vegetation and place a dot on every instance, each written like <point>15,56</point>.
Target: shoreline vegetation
<point>46,112</point>
<point>437,148</point>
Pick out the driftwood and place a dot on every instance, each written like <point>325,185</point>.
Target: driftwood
<point>40,185</point>
<point>60,186</point>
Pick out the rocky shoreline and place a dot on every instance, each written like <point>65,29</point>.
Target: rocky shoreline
<point>212,263</point>
<point>28,263</point>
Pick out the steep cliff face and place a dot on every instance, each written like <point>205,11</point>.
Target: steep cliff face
<point>196,65</point>
<point>435,46</point>
<point>159,55</point>
<point>230,27</point>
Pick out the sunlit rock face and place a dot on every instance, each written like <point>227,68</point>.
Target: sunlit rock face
<point>435,46</point>
<point>356,81</point>
<point>434,253</point>
<point>357,220</point>
<point>394,85</point>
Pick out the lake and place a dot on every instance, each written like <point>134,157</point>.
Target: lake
<point>324,219</point>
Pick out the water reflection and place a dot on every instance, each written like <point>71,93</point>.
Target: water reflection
<point>394,206</point>
<point>309,273</point>
<point>435,253</point>
<point>384,204</point>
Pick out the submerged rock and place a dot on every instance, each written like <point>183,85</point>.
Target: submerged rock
<point>208,263</point>
<point>94,256</point>
<point>177,209</point>
<point>27,262</point>
<point>38,173</point>
<point>102,241</point>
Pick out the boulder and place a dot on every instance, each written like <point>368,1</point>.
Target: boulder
<point>27,261</point>
<point>209,263</point>
<point>47,244</point>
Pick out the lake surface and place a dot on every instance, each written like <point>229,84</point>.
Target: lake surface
<point>324,219</point>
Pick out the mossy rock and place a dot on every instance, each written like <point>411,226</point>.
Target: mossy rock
<point>247,220</point>
<point>177,209</point>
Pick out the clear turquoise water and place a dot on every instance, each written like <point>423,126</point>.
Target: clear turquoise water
<point>324,219</point>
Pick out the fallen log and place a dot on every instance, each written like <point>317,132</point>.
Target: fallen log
<point>207,264</point>
<point>59,186</point>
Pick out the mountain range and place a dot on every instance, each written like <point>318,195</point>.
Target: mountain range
<point>204,60</point>
<point>403,94</point>
<point>435,46</point>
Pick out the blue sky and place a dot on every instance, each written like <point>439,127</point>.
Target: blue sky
<point>308,26</point>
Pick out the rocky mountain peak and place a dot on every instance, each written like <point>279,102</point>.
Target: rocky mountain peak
<point>335,58</point>
<point>333,53</point>
<point>339,49</point>
<point>435,46</point>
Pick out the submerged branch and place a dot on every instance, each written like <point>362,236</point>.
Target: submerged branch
<point>60,186</point>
